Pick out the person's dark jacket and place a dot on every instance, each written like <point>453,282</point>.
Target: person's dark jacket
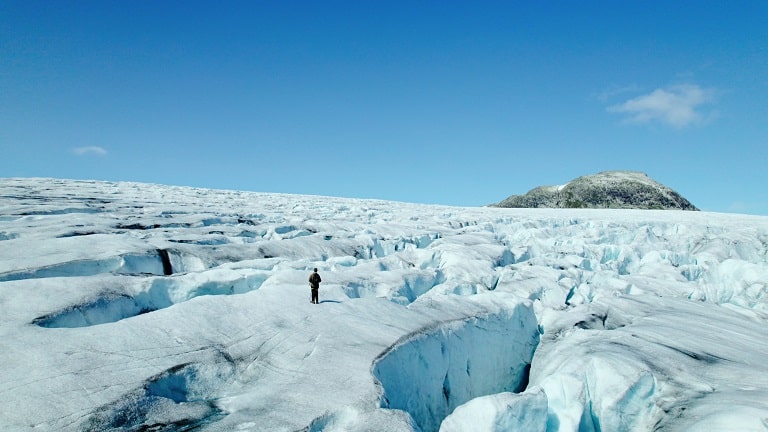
<point>314,280</point>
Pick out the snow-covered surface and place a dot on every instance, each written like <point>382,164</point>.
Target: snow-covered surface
<point>608,177</point>
<point>143,307</point>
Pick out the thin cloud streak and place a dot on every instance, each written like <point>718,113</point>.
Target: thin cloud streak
<point>90,150</point>
<point>678,106</point>
<point>614,91</point>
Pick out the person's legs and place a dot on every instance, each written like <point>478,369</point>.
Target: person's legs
<point>314,296</point>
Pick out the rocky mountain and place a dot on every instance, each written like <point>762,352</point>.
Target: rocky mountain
<point>610,189</point>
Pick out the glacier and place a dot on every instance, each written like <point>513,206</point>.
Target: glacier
<point>130,306</point>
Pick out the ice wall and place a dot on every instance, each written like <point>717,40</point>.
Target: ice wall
<point>430,373</point>
<point>640,363</point>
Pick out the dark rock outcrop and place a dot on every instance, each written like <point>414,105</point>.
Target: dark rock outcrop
<point>610,189</point>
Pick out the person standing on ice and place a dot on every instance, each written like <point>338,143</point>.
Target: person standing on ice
<point>314,285</point>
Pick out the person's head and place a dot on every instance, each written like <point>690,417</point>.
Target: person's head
<point>315,269</point>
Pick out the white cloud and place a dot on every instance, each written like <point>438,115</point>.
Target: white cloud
<point>95,150</point>
<point>677,106</point>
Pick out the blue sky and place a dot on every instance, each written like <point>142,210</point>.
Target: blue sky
<point>448,102</point>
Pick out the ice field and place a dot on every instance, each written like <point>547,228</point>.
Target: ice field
<point>128,306</point>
